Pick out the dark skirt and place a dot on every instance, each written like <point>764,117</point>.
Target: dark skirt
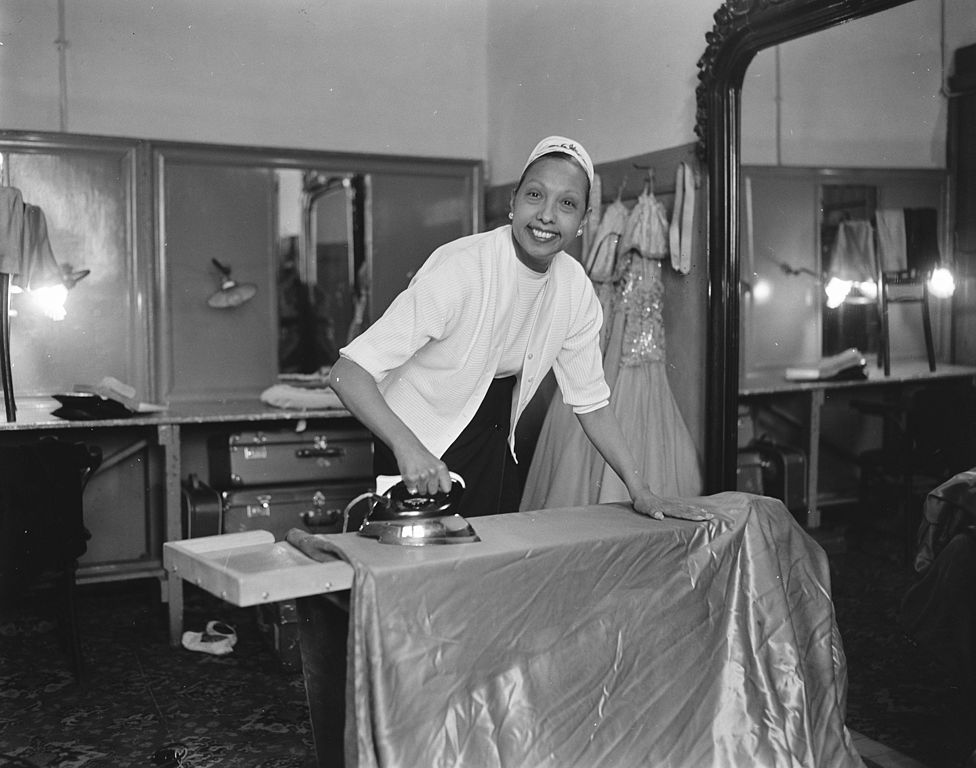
<point>480,455</point>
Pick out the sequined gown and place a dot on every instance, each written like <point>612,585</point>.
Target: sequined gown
<point>566,469</point>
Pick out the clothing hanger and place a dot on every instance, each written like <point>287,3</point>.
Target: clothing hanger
<point>621,188</point>
<point>649,181</point>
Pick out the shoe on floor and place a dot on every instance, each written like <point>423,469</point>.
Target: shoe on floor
<point>217,639</point>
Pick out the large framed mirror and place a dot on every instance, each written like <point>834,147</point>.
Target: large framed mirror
<point>742,29</point>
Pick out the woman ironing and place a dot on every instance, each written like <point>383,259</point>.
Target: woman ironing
<point>443,376</point>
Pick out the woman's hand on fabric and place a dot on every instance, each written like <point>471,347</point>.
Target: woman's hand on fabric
<point>422,472</point>
<point>658,507</point>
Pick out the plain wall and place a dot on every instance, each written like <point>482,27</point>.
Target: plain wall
<point>869,93</point>
<point>471,78</point>
<point>343,75</point>
<point>618,75</point>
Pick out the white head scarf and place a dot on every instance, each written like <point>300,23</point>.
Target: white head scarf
<point>553,144</point>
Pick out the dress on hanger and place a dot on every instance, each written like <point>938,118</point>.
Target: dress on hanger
<point>566,469</point>
<point>603,251</point>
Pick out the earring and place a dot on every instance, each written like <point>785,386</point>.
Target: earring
<point>511,215</point>
<point>579,231</point>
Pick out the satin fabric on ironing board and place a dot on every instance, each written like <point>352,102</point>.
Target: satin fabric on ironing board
<point>592,636</point>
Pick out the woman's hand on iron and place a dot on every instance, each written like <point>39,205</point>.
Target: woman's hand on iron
<point>658,507</point>
<point>422,472</point>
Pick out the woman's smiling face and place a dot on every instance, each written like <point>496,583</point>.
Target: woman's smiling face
<point>548,207</point>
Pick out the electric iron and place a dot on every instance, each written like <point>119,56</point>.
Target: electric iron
<point>396,516</point>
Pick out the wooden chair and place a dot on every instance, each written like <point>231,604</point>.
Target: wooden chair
<point>903,287</point>
<point>42,531</point>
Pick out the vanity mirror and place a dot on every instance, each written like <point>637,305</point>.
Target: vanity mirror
<point>323,266</point>
<point>328,240</point>
<point>743,28</point>
<point>316,244</point>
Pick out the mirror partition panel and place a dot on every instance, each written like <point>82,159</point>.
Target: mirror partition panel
<point>742,28</point>
<point>88,190</point>
<point>313,244</point>
<point>327,240</point>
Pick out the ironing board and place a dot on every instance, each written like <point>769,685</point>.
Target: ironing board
<point>578,637</point>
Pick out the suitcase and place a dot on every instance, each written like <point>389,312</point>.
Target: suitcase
<point>784,474</point>
<point>748,471</point>
<point>278,625</point>
<point>316,507</point>
<point>282,457</point>
<point>202,509</point>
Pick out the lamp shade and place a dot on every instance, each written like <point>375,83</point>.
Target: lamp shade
<point>231,293</point>
<point>39,269</point>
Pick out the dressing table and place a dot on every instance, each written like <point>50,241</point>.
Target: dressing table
<point>761,390</point>
<point>165,432</point>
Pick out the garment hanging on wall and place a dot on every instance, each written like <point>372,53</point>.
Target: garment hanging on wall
<point>40,266</point>
<point>11,230</point>
<point>593,223</point>
<point>603,250</point>
<point>646,230</point>
<point>922,238</point>
<point>892,252</point>
<point>682,219</point>
<point>853,257</point>
<point>566,469</point>
<point>642,399</point>
<point>25,249</point>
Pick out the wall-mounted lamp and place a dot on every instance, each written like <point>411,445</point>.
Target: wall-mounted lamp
<point>941,283</point>
<point>27,264</point>
<point>230,293</point>
<point>837,288</point>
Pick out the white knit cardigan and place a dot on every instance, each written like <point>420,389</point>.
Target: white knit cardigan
<point>435,351</point>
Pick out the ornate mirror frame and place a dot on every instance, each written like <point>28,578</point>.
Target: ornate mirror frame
<point>742,29</point>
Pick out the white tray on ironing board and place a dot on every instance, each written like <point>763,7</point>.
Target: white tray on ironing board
<point>251,568</point>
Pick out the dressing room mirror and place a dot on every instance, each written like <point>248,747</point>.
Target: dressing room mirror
<point>323,270</point>
<point>326,240</point>
<point>743,29</point>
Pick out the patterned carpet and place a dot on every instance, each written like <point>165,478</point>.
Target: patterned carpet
<point>248,709</point>
<point>140,696</point>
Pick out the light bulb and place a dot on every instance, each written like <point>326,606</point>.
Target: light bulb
<point>869,289</point>
<point>941,283</point>
<point>761,291</point>
<point>837,291</point>
<point>50,299</point>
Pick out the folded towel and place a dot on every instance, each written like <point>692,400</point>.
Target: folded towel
<point>302,398</point>
<point>892,250</point>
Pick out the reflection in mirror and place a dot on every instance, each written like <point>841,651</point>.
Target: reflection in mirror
<point>815,243</point>
<point>843,133</point>
<point>847,253</point>
<point>323,270</point>
<point>85,190</point>
<point>741,31</point>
